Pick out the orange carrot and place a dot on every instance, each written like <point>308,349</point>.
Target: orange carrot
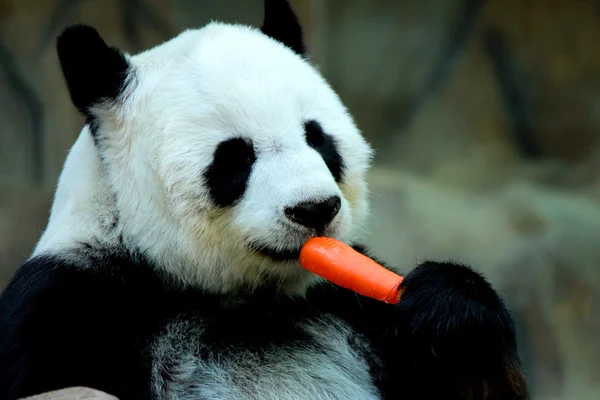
<point>342,265</point>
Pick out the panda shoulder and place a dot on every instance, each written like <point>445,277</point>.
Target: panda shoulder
<point>41,277</point>
<point>71,283</point>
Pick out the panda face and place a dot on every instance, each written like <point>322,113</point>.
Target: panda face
<point>226,151</point>
<point>260,141</point>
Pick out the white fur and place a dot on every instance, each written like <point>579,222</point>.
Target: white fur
<point>84,207</point>
<point>185,97</point>
<point>333,371</point>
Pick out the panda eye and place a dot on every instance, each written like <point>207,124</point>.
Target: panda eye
<point>315,137</point>
<point>325,145</point>
<point>227,176</point>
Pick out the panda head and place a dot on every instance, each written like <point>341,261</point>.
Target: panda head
<point>224,150</point>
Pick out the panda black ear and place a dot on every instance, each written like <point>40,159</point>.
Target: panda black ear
<point>94,72</point>
<point>281,24</point>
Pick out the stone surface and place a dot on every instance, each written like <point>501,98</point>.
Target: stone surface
<point>79,393</point>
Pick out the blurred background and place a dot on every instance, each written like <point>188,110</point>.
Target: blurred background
<point>484,116</point>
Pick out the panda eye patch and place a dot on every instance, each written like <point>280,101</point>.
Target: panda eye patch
<point>227,176</point>
<point>325,145</point>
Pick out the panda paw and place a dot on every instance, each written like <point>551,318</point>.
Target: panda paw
<point>456,334</point>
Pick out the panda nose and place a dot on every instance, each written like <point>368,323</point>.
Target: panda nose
<point>316,215</point>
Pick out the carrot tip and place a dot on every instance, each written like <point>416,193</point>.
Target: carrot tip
<point>342,265</point>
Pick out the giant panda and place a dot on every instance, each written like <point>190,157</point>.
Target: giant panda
<point>168,268</point>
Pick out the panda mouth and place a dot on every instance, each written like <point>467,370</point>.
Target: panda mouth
<point>277,255</point>
<point>283,255</point>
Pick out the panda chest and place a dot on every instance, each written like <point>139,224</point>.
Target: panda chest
<point>316,359</point>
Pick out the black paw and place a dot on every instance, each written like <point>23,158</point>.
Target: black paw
<point>455,331</point>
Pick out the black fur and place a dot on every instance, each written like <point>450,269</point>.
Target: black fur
<point>325,145</point>
<point>281,24</point>
<point>227,176</point>
<point>65,325</point>
<point>94,72</point>
<point>460,333</point>
<point>61,325</point>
